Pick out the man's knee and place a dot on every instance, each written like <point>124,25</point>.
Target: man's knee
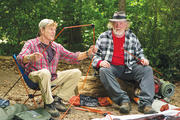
<point>141,70</point>
<point>103,70</point>
<point>45,74</point>
<point>77,72</point>
<point>148,69</point>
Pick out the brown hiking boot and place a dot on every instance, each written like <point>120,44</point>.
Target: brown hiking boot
<point>52,110</point>
<point>146,110</point>
<point>125,107</point>
<point>60,106</point>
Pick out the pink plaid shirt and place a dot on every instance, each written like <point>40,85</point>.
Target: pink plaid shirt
<point>34,45</point>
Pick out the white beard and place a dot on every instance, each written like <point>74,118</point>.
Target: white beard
<point>118,33</point>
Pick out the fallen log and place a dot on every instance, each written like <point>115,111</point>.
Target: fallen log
<point>94,87</point>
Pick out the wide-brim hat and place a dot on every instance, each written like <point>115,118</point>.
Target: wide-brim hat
<point>118,16</point>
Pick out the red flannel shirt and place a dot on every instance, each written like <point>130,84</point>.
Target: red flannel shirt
<point>34,45</point>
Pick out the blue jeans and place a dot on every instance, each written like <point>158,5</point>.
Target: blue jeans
<point>140,74</point>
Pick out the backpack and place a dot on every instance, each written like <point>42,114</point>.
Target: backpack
<point>37,114</point>
<point>9,112</point>
<point>83,100</point>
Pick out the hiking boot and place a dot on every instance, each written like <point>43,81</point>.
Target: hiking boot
<point>60,106</point>
<point>146,110</point>
<point>125,107</point>
<point>52,110</point>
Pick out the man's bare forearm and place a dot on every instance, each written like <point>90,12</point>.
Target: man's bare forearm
<point>83,55</point>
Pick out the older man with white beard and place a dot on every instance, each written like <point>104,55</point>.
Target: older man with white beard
<point>114,60</point>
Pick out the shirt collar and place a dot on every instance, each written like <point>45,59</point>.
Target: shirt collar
<point>40,43</point>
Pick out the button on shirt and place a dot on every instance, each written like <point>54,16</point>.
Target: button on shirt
<point>34,45</point>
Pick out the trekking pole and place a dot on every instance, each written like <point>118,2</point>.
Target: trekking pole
<point>141,60</point>
<point>12,86</point>
<point>67,28</point>
<point>62,117</point>
<point>84,108</point>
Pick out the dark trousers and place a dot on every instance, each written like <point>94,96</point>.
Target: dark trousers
<point>140,74</point>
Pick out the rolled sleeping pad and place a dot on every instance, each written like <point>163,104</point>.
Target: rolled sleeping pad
<point>167,89</point>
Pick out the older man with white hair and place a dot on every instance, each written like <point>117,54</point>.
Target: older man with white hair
<point>40,56</point>
<point>114,59</point>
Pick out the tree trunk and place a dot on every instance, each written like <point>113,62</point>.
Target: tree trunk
<point>122,5</point>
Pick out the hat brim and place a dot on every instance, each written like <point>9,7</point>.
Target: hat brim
<point>117,20</point>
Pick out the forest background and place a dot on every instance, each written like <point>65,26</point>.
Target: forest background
<point>156,23</point>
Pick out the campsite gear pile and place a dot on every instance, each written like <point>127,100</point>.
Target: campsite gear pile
<point>37,114</point>
<point>83,100</point>
<point>163,89</point>
<point>9,112</point>
<point>21,112</point>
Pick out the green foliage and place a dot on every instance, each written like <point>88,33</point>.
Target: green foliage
<point>157,25</point>
<point>9,48</point>
<point>155,22</point>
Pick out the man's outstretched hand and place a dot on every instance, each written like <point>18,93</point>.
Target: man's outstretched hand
<point>92,50</point>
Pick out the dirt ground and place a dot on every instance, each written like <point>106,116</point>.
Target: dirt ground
<point>17,95</point>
